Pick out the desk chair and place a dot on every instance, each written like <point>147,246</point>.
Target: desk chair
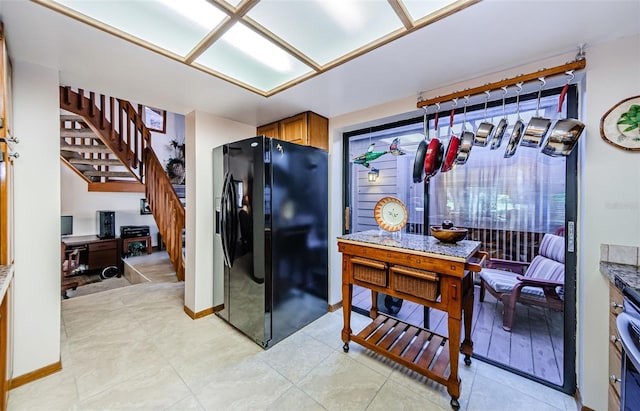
<point>70,264</point>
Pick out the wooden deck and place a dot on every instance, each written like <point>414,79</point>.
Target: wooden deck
<point>535,346</point>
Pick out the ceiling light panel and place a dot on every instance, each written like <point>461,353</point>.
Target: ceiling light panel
<point>326,30</point>
<point>421,8</point>
<point>161,23</point>
<point>248,57</point>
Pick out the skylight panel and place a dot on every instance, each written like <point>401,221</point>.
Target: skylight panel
<point>175,29</point>
<point>421,8</point>
<point>326,30</point>
<point>249,58</point>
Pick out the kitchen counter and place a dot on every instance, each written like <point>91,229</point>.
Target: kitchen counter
<point>427,246</point>
<point>6,274</point>
<point>621,275</point>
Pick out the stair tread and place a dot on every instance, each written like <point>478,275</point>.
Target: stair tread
<point>71,117</point>
<point>96,161</point>
<point>77,132</point>
<point>96,173</point>
<point>85,148</point>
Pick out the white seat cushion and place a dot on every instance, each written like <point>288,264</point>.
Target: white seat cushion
<point>504,281</point>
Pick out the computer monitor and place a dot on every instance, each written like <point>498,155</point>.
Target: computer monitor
<point>66,225</point>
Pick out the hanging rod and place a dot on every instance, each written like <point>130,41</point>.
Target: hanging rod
<point>522,78</point>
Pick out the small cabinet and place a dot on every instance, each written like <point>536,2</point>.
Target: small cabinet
<point>308,129</point>
<point>102,254</point>
<point>615,349</point>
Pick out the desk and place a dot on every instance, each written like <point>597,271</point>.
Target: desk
<point>422,270</point>
<point>97,253</point>
<point>126,242</point>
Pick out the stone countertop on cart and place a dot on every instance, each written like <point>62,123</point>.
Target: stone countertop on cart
<point>416,244</point>
<point>621,275</point>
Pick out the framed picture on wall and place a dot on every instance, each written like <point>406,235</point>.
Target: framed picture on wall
<point>155,119</point>
<point>144,206</point>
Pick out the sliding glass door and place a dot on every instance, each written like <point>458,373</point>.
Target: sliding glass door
<point>508,204</point>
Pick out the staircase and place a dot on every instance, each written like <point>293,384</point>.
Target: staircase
<point>108,145</point>
<point>86,154</point>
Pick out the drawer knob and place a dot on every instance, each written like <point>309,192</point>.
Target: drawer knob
<point>616,306</point>
<point>614,379</point>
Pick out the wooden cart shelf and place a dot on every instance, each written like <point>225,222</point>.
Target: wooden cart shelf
<point>421,270</point>
<point>414,347</point>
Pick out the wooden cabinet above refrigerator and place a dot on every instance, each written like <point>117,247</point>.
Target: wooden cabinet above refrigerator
<point>307,129</point>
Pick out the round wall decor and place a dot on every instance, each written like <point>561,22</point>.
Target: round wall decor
<point>620,126</point>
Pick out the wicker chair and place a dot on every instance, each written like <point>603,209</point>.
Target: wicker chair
<point>539,283</point>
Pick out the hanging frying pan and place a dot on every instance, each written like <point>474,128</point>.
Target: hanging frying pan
<point>502,125</point>
<point>452,148</point>
<point>433,157</point>
<point>565,133</point>
<point>466,143</point>
<point>466,138</point>
<point>485,129</point>
<point>538,126</point>
<point>418,163</point>
<point>518,128</point>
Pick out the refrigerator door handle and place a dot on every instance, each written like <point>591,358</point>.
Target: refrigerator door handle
<point>229,232</point>
<point>223,222</point>
<point>232,240</point>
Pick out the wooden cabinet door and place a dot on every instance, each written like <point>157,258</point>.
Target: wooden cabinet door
<point>269,130</point>
<point>294,129</point>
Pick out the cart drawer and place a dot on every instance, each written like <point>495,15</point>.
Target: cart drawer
<point>103,245</point>
<point>419,283</point>
<point>369,271</point>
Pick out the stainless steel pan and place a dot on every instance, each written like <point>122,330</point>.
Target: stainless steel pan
<point>565,133</point>
<point>502,125</point>
<point>485,129</point>
<point>518,128</point>
<point>538,126</point>
<point>466,138</point>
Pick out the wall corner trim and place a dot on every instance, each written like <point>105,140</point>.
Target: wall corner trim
<point>35,375</point>
<point>202,313</point>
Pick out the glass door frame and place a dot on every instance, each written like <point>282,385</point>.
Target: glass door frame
<point>571,229</point>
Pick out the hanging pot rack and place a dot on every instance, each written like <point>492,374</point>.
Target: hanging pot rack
<point>578,64</point>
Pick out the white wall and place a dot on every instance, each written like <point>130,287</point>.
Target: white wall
<point>82,204</point>
<point>204,132</point>
<point>609,193</point>
<point>160,142</point>
<point>609,205</point>
<point>37,218</point>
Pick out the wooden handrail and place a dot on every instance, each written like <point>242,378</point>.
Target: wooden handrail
<point>167,209</point>
<point>522,78</point>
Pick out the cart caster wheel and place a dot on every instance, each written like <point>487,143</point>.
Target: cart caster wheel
<point>345,347</point>
<point>455,404</point>
<point>467,360</point>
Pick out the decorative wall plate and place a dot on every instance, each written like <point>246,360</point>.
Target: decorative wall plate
<point>391,214</point>
<point>620,126</point>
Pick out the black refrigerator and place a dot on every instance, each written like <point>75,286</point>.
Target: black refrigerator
<point>270,236</point>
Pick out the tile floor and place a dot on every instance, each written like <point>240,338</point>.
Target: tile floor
<point>133,348</point>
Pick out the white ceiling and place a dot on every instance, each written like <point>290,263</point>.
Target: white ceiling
<point>487,37</point>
